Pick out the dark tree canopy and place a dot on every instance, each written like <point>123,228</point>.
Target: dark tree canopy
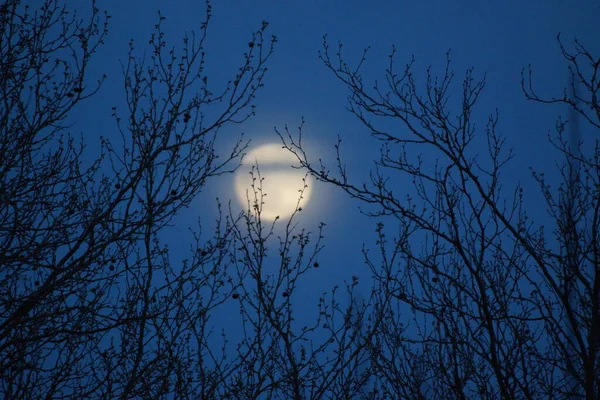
<point>478,299</point>
<point>471,297</point>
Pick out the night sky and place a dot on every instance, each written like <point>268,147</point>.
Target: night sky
<point>497,38</point>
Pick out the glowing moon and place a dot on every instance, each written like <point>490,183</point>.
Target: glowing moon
<point>282,184</point>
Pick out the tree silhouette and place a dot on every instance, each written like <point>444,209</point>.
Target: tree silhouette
<point>478,300</point>
<point>471,297</point>
<point>93,302</point>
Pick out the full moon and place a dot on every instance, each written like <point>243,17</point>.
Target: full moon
<point>282,185</point>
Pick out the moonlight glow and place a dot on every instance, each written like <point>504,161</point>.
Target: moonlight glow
<point>281,184</point>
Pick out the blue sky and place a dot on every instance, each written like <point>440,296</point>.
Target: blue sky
<point>494,37</point>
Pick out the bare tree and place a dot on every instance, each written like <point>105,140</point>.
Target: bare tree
<point>93,302</point>
<point>478,300</point>
<point>93,305</point>
<point>278,357</point>
<point>472,299</point>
